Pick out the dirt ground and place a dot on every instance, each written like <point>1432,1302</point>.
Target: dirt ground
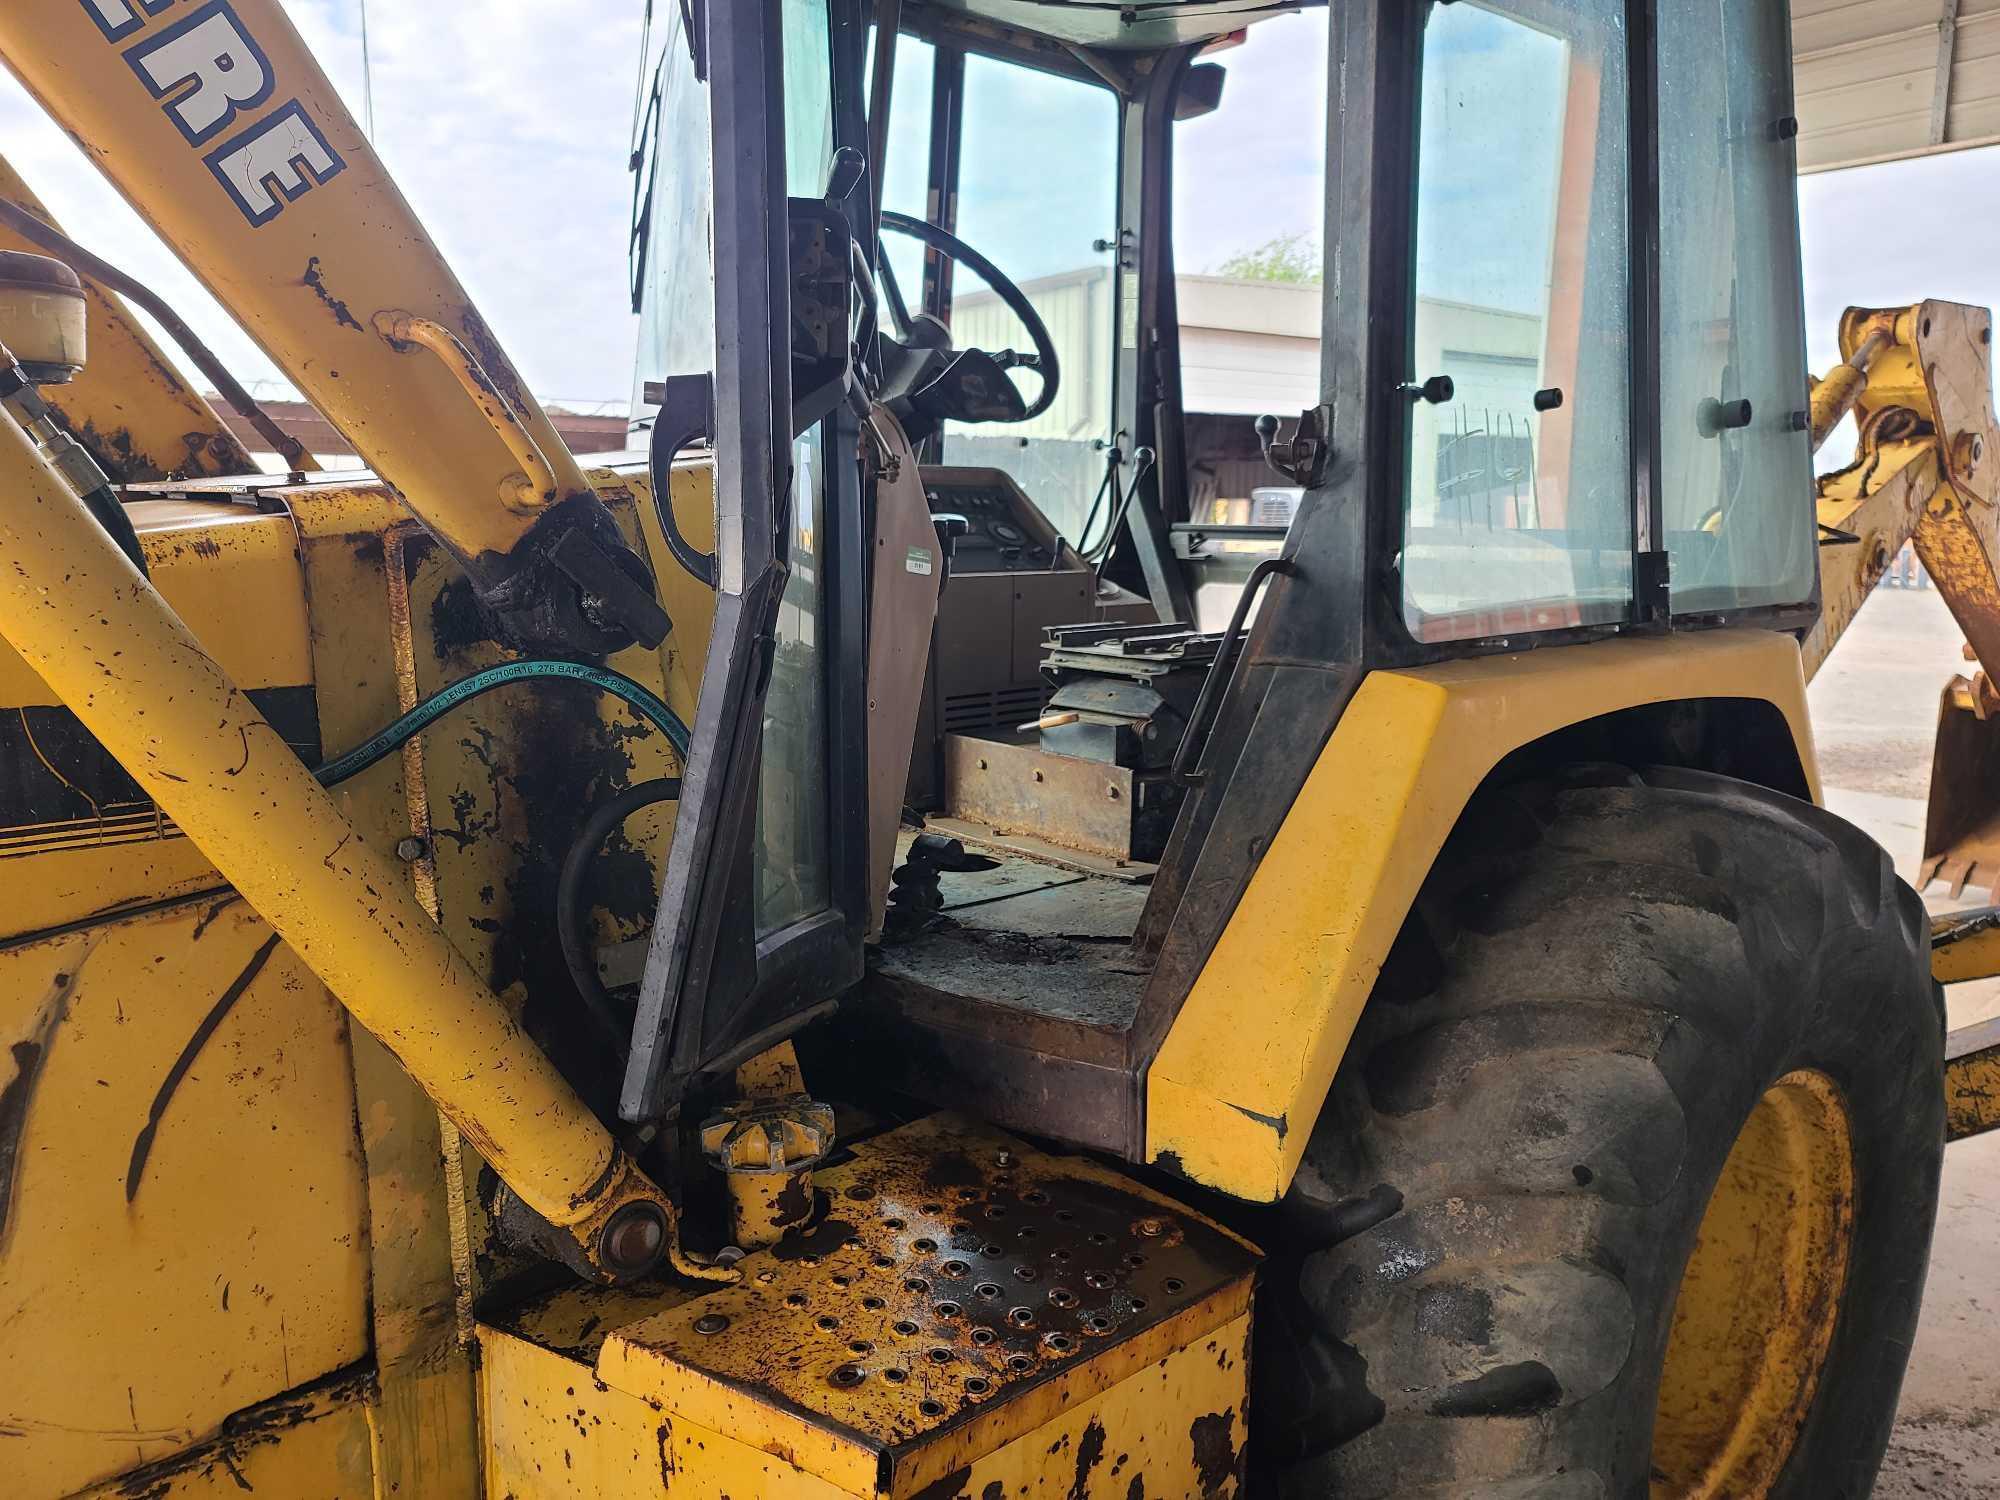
<point>1873,708</point>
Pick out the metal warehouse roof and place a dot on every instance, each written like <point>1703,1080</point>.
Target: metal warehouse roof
<point>1879,79</point>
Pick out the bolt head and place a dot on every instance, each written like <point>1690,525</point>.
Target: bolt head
<point>1152,1228</point>
<point>710,1323</point>
<point>412,849</point>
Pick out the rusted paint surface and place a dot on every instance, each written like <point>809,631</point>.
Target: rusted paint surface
<point>1972,1081</point>
<point>230,1455</point>
<point>507,782</point>
<point>958,1293</point>
<point>1169,1425</point>
<point>315,281</point>
<point>1172,1430</point>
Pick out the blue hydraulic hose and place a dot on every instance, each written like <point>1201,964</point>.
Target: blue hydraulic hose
<point>428,712</point>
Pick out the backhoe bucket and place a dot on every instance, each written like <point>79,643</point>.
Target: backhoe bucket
<point>1962,823</point>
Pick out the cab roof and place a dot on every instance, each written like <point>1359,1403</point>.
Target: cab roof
<point>1124,25</point>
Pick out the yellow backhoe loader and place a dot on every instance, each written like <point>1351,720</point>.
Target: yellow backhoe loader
<point>815,960</point>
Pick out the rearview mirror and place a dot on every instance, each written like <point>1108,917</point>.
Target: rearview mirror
<point>1201,91</point>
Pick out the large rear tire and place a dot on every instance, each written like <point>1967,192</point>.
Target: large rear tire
<point>1626,1186</point>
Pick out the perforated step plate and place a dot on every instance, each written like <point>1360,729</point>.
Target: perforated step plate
<point>968,1313</point>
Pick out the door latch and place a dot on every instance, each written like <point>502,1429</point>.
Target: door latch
<point>1302,458</point>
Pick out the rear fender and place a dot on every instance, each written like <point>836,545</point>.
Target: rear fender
<point>1232,1096</point>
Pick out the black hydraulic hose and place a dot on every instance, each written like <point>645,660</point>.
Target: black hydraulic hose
<point>110,514</point>
<point>573,912</point>
<point>392,738</point>
<point>84,263</point>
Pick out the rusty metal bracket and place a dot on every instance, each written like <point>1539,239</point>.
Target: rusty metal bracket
<point>1302,458</point>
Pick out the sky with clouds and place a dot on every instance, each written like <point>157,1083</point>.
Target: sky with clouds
<point>506,123</point>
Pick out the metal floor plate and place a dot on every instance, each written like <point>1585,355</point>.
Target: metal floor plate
<point>954,1270</point>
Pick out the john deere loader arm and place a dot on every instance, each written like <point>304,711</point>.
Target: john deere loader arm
<point>220,128</point>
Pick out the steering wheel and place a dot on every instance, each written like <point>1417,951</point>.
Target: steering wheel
<point>970,373</point>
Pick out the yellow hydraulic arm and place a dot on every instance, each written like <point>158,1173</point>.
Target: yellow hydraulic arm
<point>1919,381</point>
<point>72,606</point>
<point>215,121</point>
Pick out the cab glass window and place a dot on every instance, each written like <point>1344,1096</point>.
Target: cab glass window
<point>1038,196</point>
<point>1519,504</point>
<point>906,172</point>
<point>677,275</point>
<point>791,877</point>
<point>1735,459</point>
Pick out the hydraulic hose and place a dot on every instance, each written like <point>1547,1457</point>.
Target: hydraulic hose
<point>572,913</point>
<point>435,707</point>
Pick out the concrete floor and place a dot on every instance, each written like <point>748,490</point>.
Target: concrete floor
<point>1873,706</point>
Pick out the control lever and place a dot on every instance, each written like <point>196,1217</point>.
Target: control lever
<point>950,527</point>
<point>843,175</point>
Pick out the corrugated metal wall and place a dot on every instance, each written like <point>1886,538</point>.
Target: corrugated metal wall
<point>1878,79</point>
<point>1077,307</point>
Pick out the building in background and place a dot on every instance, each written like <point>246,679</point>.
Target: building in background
<point>1251,347</point>
<point>599,431</point>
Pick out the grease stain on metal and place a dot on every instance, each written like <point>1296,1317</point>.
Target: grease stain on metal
<point>31,1059</point>
<point>142,1144</point>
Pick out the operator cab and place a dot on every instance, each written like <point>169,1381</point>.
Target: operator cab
<point>1210,427</point>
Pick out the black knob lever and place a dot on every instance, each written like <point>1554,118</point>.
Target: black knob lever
<point>1437,390</point>
<point>1715,416</point>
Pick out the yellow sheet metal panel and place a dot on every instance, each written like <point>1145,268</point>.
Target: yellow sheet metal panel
<point>1175,1429</point>
<point>552,1430</point>
<point>180,1184</point>
<point>969,1314</point>
<point>309,1444</point>
<point>130,407</point>
<point>232,574</point>
<point>510,779</point>
<point>73,844</point>
<point>685,597</point>
<point>197,747</point>
<point>1233,1094</point>
<point>423,1421</point>
<point>224,132</point>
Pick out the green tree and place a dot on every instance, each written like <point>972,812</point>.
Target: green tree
<point>1290,257</point>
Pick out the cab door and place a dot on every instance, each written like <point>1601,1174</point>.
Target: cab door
<point>762,907</point>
